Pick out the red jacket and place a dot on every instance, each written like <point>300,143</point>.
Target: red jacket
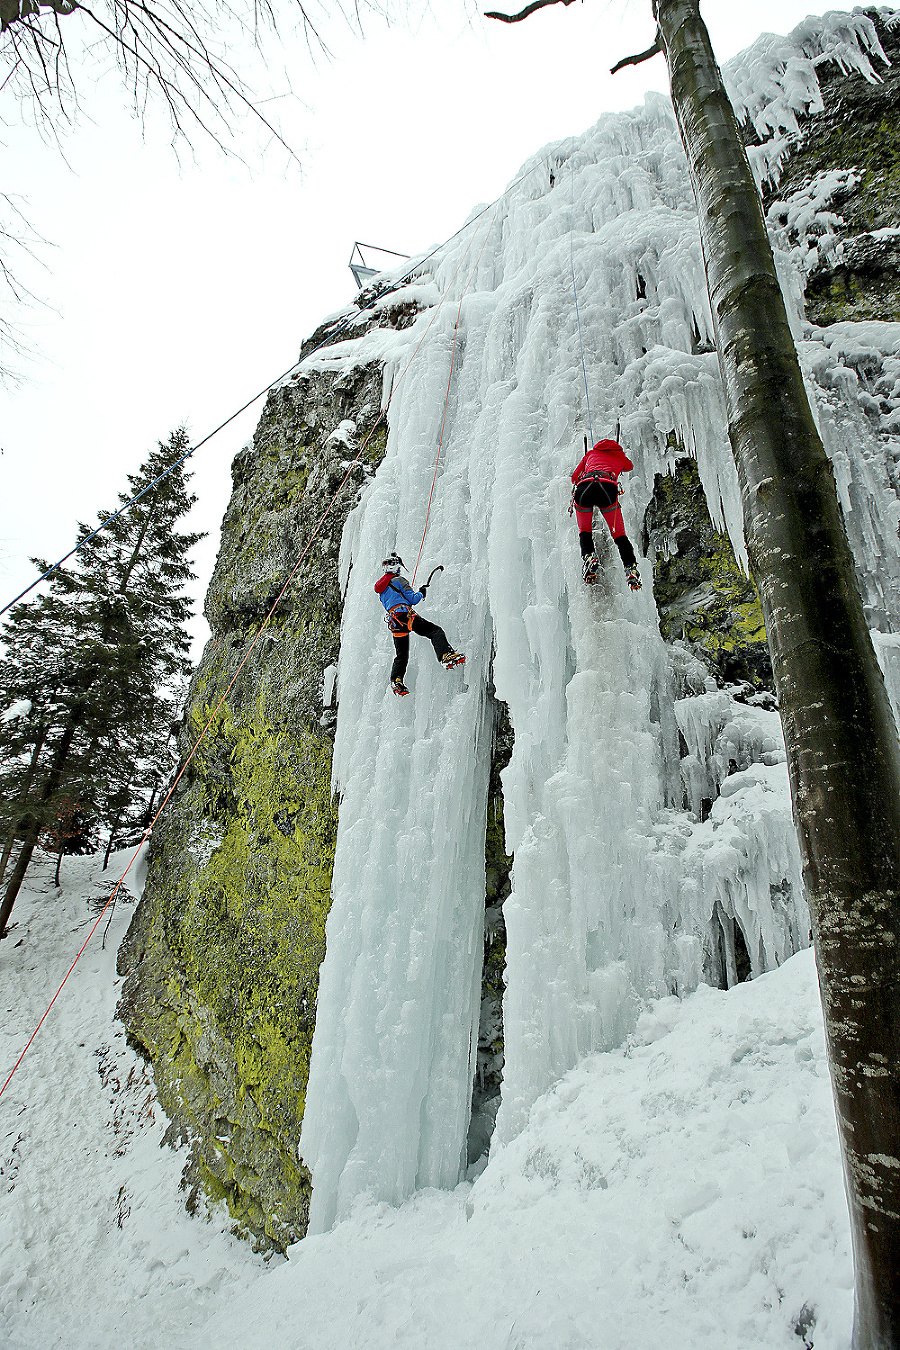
<point>607,456</point>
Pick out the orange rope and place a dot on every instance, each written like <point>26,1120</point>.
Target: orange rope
<point>381,416</point>
<point>447,395</point>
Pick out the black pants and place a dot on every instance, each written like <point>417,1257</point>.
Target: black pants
<point>401,644</point>
<point>623,544</point>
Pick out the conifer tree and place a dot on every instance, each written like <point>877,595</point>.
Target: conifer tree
<point>90,675</point>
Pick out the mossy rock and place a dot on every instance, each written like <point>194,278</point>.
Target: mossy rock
<point>702,595</point>
<point>858,130</point>
<point>222,957</point>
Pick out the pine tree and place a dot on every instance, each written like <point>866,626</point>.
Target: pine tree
<point>98,661</point>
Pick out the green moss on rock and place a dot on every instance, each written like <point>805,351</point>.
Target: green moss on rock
<point>222,957</point>
<point>702,595</point>
<point>858,130</point>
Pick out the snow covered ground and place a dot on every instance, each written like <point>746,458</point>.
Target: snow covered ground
<point>684,1191</point>
<point>96,1247</point>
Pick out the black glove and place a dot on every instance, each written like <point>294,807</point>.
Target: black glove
<point>424,590</point>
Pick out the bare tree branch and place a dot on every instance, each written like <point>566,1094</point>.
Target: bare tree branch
<point>170,52</point>
<point>17,237</point>
<point>636,60</point>
<point>524,13</point>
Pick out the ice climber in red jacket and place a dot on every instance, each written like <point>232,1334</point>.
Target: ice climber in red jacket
<point>398,599</point>
<point>596,479</point>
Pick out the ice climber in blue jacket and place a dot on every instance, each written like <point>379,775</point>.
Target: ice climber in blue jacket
<point>398,599</point>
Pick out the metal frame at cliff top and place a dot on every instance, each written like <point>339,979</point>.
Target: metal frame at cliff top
<point>362,268</point>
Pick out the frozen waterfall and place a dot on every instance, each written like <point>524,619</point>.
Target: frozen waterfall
<point>621,890</point>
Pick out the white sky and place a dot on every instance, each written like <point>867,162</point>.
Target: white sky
<point>180,290</point>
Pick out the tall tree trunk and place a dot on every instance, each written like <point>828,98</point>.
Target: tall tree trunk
<point>148,811</point>
<point>59,853</point>
<point>112,835</point>
<point>33,829</point>
<point>842,746</point>
<point>136,551</point>
<point>8,847</point>
<point>23,798</point>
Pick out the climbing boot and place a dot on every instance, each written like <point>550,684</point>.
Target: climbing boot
<point>633,577</point>
<point>399,687</point>
<point>451,659</point>
<point>590,567</point>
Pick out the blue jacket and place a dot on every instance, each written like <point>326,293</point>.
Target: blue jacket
<point>393,591</point>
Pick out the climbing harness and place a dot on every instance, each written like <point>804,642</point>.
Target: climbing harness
<point>598,476</point>
<point>399,618</point>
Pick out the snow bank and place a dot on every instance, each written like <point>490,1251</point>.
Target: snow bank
<point>96,1247</point>
<point>21,708</point>
<point>684,1190</point>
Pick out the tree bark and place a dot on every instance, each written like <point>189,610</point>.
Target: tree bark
<point>842,746</point>
<point>109,842</point>
<point>34,823</point>
<point>23,798</point>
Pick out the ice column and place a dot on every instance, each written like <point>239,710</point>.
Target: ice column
<point>616,878</point>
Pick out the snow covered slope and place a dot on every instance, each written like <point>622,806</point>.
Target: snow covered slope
<point>619,890</point>
<point>682,1190</point>
<point>96,1248</point>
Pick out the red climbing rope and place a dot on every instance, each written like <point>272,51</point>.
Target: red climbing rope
<point>381,416</point>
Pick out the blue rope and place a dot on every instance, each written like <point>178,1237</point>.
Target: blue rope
<point>575,293</point>
<point>329,339</point>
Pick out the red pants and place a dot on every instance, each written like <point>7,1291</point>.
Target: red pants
<point>600,493</point>
<point>605,496</point>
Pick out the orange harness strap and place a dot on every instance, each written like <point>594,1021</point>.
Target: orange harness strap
<point>399,619</point>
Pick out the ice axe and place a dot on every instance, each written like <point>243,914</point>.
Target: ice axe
<point>439,568</point>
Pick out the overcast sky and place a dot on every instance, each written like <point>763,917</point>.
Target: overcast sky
<point>180,289</point>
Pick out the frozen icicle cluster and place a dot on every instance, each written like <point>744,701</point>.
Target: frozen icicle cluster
<point>806,217</point>
<point>774,82</point>
<point>649,815</point>
<point>723,736</point>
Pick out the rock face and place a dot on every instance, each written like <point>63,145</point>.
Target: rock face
<point>702,595</point>
<point>849,160</point>
<point>222,957</point>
